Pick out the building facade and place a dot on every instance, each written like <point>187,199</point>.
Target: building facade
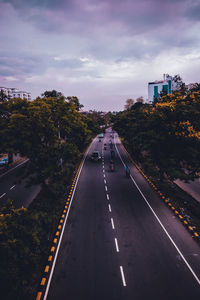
<point>167,85</point>
<point>156,87</point>
<point>15,93</point>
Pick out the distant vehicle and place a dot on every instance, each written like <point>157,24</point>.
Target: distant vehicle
<point>3,162</point>
<point>95,156</point>
<point>101,135</point>
<point>105,146</point>
<point>127,170</point>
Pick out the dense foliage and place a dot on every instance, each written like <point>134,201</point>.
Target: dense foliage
<point>53,135</point>
<point>49,131</point>
<point>165,138</point>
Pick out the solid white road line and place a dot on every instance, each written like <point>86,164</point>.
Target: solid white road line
<point>14,168</point>
<point>107,196</point>
<point>112,222</point>
<point>2,195</point>
<point>109,207</point>
<point>123,277</point>
<point>163,227</point>
<point>64,224</point>
<point>12,187</point>
<point>116,245</point>
<point>106,188</point>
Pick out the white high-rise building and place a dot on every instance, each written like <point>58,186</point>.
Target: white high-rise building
<point>15,93</point>
<point>168,84</point>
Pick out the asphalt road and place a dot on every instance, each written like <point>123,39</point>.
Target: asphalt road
<point>120,241</point>
<point>11,187</point>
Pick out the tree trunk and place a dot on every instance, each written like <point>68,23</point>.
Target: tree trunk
<point>10,157</point>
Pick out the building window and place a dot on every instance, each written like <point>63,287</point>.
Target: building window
<point>156,92</point>
<point>165,88</point>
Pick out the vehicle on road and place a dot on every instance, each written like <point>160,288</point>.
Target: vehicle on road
<point>3,162</point>
<point>127,170</point>
<point>101,135</point>
<point>105,146</point>
<point>95,156</point>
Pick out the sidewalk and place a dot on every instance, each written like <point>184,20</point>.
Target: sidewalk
<point>192,188</point>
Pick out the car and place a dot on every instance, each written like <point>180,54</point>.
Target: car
<point>95,156</point>
<point>3,162</point>
<point>101,135</point>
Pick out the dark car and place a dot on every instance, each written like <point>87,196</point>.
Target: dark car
<point>95,156</point>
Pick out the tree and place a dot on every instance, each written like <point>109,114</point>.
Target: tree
<point>75,101</point>
<point>140,99</point>
<point>20,243</point>
<point>129,103</point>
<point>51,94</point>
<point>49,131</point>
<point>3,96</point>
<point>195,87</point>
<point>167,138</point>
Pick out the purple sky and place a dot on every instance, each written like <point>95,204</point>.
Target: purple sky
<point>102,51</point>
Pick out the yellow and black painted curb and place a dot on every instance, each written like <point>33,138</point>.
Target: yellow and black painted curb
<point>167,201</point>
<point>67,204</point>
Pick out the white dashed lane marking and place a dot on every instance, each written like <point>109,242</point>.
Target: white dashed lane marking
<point>123,277</point>
<point>116,245</point>
<point>107,196</point>
<point>2,195</point>
<point>112,222</point>
<point>109,207</point>
<point>12,187</point>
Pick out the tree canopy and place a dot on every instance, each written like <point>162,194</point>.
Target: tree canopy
<point>49,131</point>
<point>166,137</point>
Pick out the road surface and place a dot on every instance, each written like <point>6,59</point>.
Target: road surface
<point>120,241</point>
<point>12,188</point>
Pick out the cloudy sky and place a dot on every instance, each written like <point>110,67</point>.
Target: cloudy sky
<point>103,51</point>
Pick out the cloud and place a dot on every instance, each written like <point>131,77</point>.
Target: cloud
<point>193,12</point>
<point>11,78</point>
<point>102,51</point>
